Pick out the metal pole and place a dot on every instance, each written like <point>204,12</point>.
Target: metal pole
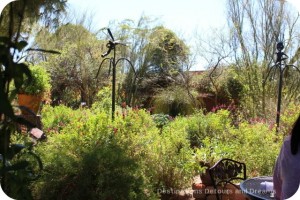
<point>280,62</point>
<point>113,96</point>
<point>279,97</point>
<point>111,45</point>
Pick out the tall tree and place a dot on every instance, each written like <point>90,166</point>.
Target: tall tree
<point>256,26</point>
<point>168,52</point>
<point>157,54</point>
<point>73,71</point>
<point>19,16</point>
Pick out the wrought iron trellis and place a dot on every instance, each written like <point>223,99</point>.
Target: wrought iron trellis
<point>111,45</point>
<point>280,64</point>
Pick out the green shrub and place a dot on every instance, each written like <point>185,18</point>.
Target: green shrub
<point>288,118</point>
<point>172,159</point>
<point>85,161</point>
<point>165,158</point>
<point>200,126</point>
<point>197,127</point>
<point>103,101</point>
<point>235,89</point>
<point>133,158</point>
<point>40,82</point>
<point>161,120</point>
<point>56,118</point>
<point>255,144</point>
<point>174,101</point>
<point>258,146</point>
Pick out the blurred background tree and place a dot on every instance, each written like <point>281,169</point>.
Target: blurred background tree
<point>73,71</point>
<point>17,18</point>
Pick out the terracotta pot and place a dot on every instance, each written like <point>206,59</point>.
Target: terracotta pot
<point>205,177</point>
<point>198,186</point>
<point>32,102</point>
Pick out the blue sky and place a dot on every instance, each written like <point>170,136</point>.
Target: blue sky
<point>182,16</point>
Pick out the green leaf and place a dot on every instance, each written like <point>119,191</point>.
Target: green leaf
<point>17,166</point>
<point>20,70</point>
<point>14,150</point>
<point>5,106</point>
<point>18,79</point>
<point>25,70</point>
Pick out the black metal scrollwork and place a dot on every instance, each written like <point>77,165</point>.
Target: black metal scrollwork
<point>227,170</point>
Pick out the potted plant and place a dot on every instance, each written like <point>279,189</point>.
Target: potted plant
<point>206,160</point>
<point>31,94</point>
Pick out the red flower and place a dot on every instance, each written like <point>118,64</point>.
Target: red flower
<point>123,104</point>
<point>115,130</point>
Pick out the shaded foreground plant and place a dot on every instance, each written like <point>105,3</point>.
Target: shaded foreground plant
<point>14,20</point>
<point>132,157</point>
<point>14,184</point>
<point>128,157</point>
<point>97,171</point>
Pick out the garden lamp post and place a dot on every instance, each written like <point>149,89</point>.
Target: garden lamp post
<point>111,45</point>
<point>281,66</point>
<point>281,56</point>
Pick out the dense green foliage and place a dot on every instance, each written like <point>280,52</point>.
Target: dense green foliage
<point>138,155</point>
<point>73,71</point>
<point>18,16</point>
<point>158,55</point>
<point>169,52</point>
<point>87,162</point>
<point>39,83</point>
<point>126,157</point>
<point>256,143</point>
<point>174,100</point>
